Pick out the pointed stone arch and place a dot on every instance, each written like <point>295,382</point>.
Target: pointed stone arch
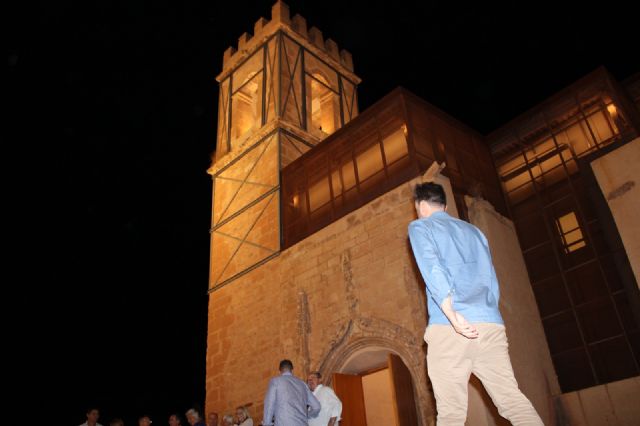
<point>362,334</point>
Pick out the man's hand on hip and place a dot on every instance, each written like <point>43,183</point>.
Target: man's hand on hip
<point>458,322</point>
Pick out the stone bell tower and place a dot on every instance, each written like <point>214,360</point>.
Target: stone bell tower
<point>281,92</point>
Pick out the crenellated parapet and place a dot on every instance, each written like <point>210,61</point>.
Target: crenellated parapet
<point>296,28</point>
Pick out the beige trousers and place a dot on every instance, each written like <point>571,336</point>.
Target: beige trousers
<point>451,358</point>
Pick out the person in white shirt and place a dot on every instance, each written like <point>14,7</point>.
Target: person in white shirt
<point>330,404</point>
<point>93,414</point>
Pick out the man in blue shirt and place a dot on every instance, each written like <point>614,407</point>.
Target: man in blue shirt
<point>288,400</point>
<point>466,333</point>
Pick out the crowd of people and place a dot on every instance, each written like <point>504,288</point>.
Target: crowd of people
<point>193,418</point>
<point>289,402</point>
<point>175,419</point>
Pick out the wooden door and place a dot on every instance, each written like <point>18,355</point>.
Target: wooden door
<point>402,391</point>
<point>349,389</point>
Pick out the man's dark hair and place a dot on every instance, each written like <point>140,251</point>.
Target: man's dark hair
<point>317,374</point>
<point>430,192</point>
<point>177,416</point>
<point>286,364</point>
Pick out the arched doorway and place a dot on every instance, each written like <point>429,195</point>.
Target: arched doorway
<point>376,388</point>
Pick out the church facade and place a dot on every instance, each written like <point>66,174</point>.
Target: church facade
<point>309,253</point>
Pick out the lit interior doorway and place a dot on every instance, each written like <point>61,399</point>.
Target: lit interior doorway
<point>375,388</point>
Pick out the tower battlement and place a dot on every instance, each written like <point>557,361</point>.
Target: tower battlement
<point>295,27</point>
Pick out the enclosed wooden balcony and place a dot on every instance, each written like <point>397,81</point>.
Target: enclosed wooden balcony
<point>392,142</point>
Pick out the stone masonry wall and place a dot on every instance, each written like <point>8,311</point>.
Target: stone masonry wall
<point>351,285</point>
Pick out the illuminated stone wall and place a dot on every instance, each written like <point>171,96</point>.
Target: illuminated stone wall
<point>263,126</point>
<point>353,284</point>
<point>352,281</point>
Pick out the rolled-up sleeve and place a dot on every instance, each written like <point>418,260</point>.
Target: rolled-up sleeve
<point>313,403</point>
<point>336,404</point>
<point>435,275</point>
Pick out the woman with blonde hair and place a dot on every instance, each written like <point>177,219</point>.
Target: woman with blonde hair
<point>242,416</point>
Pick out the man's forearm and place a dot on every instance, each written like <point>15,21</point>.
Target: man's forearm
<point>332,421</point>
<point>447,309</point>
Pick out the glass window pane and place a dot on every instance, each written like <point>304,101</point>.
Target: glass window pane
<point>542,149</point>
<point>348,174</point>
<point>552,193</point>
<point>516,181</point>
<point>319,194</point>
<point>531,230</point>
<point>598,320</point>
<point>598,238</point>
<point>615,118</point>
<point>567,226</point>
<point>562,332</point>
<point>586,283</point>
<point>527,206</point>
<point>610,265</point>
<point>613,360</point>
<point>296,206</point>
<point>395,146</point>
<point>553,170</point>
<point>550,163</point>
<point>318,183</point>
<point>336,183</point>
<point>506,167</point>
<point>369,162</point>
<point>551,296</point>
<point>562,140</point>
<point>573,370</point>
<point>569,162</point>
<point>579,138</point>
<point>541,262</point>
<point>600,126</point>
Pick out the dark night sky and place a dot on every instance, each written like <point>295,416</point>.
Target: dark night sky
<point>114,109</point>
